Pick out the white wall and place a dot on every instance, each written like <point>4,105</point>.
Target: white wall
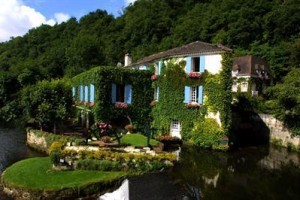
<point>213,63</point>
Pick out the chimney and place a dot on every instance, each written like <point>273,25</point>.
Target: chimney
<point>128,60</point>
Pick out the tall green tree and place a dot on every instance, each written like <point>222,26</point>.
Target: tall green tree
<point>48,103</point>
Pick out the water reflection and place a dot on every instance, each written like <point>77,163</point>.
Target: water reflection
<point>263,172</point>
<point>13,149</point>
<point>250,173</point>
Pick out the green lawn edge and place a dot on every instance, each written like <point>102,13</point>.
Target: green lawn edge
<point>37,174</point>
<point>137,140</point>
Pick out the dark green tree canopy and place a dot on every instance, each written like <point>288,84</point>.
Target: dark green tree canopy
<point>267,28</point>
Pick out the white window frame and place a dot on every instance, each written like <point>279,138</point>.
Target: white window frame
<point>156,94</point>
<point>244,87</point>
<point>194,94</point>
<point>234,87</point>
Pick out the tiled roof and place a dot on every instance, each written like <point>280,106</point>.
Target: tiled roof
<point>193,48</point>
<point>247,65</point>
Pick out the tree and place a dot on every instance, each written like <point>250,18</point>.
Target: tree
<point>286,100</point>
<point>48,102</point>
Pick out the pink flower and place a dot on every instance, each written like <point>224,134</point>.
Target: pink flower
<point>195,75</point>
<point>121,105</point>
<point>154,77</point>
<point>193,105</point>
<point>92,104</point>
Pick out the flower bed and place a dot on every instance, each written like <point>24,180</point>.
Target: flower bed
<point>169,140</point>
<point>121,161</point>
<point>193,105</point>
<point>194,75</point>
<point>121,105</point>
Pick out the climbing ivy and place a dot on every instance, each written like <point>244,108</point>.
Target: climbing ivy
<point>137,112</point>
<point>217,98</point>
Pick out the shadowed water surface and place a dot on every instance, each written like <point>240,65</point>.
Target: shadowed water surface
<point>264,172</point>
<point>13,149</point>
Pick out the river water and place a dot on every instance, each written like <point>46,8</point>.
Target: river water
<point>264,172</point>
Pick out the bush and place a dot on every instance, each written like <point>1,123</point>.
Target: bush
<point>56,146</point>
<point>55,156</point>
<point>55,152</point>
<point>207,133</point>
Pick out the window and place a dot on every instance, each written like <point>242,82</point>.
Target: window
<point>86,94</point>
<point>157,67</point>
<point>156,94</point>
<point>193,94</point>
<point>92,93</point>
<point>175,129</point>
<point>196,64</point>
<point>194,91</point>
<point>244,87</point>
<point>74,92</point>
<point>81,91</point>
<point>234,87</point>
<point>121,93</point>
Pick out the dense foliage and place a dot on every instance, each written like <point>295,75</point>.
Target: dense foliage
<point>267,28</point>
<point>47,103</point>
<point>286,101</point>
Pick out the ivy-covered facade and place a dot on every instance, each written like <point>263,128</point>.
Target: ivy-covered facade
<point>192,92</point>
<point>113,94</point>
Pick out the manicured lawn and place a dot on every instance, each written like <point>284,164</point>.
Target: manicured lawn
<point>37,173</point>
<point>137,140</point>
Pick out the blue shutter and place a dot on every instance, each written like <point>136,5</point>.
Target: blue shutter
<point>188,65</point>
<point>128,94</point>
<point>159,67</point>
<point>113,93</point>
<point>200,94</point>
<point>73,92</point>
<point>92,93</point>
<point>81,93</point>
<point>187,94</point>
<point>86,93</point>
<point>202,64</point>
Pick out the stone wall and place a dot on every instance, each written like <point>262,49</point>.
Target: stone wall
<point>279,133</point>
<point>36,141</point>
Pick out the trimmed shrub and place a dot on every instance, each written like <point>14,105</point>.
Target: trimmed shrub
<point>207,133</point>
<point>99,165</point>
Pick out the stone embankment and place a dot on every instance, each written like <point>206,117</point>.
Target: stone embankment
<point>279,133</point>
